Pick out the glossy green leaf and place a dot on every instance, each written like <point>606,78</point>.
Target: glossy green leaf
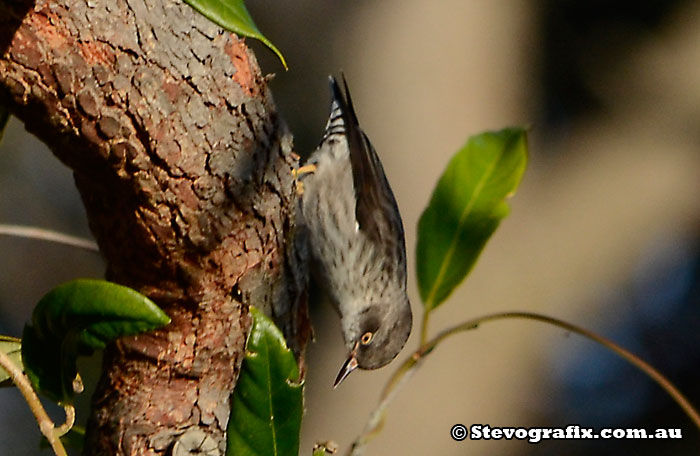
<point>48,366</point>
<point>101,311</point>
<point>73,319</point>
<point>234,16</point>
<point>466,207</point>
<point>266,406</point>
<point>12,347</point>
<point>4,117</point>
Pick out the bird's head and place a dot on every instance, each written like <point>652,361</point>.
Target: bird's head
<point>377,336</point>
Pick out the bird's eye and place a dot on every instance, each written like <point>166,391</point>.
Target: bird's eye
<point>366,338</point>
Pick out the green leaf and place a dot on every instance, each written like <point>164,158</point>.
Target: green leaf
<point>4,117</point>
<point>466,207</point>
<point>73,319</point>
<point>266,406</point>
<point>12,347</point>
<point>233,15</point>
<point>100,311</point>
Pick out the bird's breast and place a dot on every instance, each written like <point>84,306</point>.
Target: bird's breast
<point>342,254</point>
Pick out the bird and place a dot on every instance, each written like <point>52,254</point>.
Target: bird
<point>356,239</point>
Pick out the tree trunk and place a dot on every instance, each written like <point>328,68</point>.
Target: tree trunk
<point>184,168</point>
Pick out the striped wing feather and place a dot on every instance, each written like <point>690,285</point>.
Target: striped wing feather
<point>376,210</point>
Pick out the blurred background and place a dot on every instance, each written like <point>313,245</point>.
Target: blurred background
<point>604,231</point>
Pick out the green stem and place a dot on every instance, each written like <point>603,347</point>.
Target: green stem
<point>424,325</point>
<point>48,235</point>
<point>42,418</point>
<point>408,368</point>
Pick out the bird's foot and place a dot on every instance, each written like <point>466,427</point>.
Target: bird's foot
<point>306,169</point>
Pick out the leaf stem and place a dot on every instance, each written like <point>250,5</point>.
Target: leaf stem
<point>408,368</point>
<point>42,418</point>
<point>424,325</point>
<point>48,235</point>
<point>70,420</point>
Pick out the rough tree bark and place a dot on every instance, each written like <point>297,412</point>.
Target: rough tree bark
<point>184,168</point>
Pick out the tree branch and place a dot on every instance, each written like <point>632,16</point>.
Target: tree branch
<point>184,168</point>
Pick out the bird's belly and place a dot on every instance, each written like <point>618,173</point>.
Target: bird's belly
<point>341,253</point>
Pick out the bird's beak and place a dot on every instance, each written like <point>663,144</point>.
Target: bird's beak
<point>348,366</point>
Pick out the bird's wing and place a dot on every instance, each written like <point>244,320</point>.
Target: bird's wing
<point>375,208</point>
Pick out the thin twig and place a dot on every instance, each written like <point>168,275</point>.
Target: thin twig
<point>70,421</point>
<point>408,368</point>
<point>45,424</point>
<point>424,327</point>
<point>49,236</point>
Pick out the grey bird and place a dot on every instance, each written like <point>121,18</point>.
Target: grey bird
<point>356,239</point>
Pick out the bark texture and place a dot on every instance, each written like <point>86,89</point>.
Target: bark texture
<point>184,168</point>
